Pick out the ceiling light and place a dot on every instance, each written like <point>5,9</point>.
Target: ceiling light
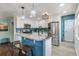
<point>23,17</point>
<point>62,4</point>
<point>31,16</point>
<point>78,15</point>
<point>64,12</point>
<point>33,13</point>
<point>38,18</point>
<point>45,16</point>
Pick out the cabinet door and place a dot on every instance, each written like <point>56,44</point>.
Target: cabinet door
<point>38,48</point>
<point>26,41</point>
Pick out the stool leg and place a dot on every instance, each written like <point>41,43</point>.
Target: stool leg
<point>32,52</point>
<point>29,53</point>
<point>20,52</point>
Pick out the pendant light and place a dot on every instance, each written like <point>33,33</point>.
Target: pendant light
<point>45,16</point>
<point>33,12</point>
<point>22,16</point>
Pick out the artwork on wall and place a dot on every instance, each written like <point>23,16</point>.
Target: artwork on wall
<point>3,27</point>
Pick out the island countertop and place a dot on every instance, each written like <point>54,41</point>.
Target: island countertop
<point>33,36</point>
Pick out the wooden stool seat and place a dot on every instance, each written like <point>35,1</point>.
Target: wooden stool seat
<point>25,49</point>
<point>16,42</point>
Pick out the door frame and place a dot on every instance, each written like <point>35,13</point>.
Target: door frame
<point>63,18</point>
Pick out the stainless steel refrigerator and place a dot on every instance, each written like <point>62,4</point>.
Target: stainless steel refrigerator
<point>54,32</point>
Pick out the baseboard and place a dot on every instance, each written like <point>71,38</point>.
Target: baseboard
<point>75,51</point>
<point>4,43</point>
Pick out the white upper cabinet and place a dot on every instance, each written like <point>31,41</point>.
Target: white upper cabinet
<point>34,23</point>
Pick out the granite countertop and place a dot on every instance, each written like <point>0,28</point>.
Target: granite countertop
<point>33,36</point>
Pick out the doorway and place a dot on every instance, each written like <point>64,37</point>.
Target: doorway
<point>68,34</point>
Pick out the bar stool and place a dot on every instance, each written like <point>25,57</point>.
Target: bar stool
<point>23,49</point>
<point>13,48</point>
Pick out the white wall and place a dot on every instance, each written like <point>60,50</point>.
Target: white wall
<point>9,33</point>
<point>11,29</point>
<point>76,37</point>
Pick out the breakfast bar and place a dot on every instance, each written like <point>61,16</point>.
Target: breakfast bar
<point>41,44</point>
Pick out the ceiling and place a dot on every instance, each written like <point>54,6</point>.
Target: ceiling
<point>14,9</point>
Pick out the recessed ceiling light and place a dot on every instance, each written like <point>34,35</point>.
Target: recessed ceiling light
<point>78,15</point>
<point>62,4</point>
<point>31,16</point>
<point>64,12</point>
<point>38,18</point>
<point>23,17</point>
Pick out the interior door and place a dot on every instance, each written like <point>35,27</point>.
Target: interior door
<point>69,30</point>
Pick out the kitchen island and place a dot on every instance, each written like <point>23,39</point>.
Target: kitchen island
<point>41,43</point>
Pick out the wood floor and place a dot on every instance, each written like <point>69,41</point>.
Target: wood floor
<point>5,50</point>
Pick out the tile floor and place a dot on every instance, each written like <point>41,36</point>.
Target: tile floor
<point>65,49</point>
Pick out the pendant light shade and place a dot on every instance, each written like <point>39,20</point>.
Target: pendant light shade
<point>33,12</point>
<point>22,16</point>
<point>45,16</point>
